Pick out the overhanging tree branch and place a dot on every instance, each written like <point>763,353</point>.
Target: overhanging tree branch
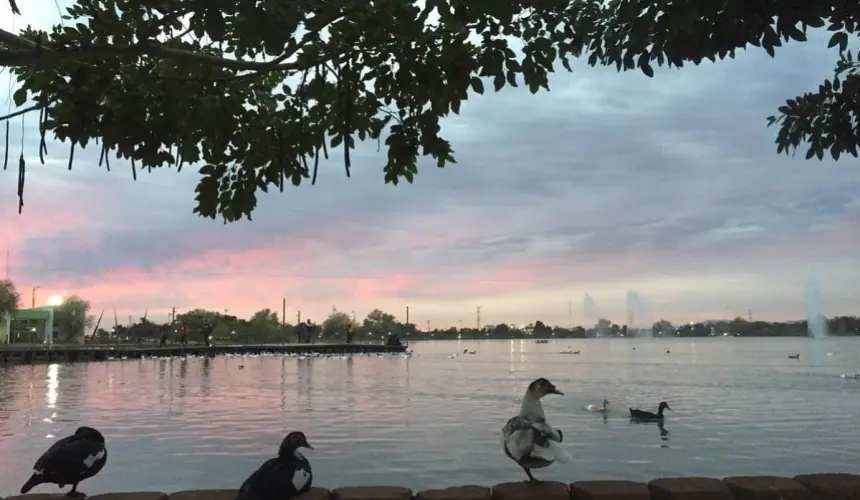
<point>44,56</point>
<point>21,112</point>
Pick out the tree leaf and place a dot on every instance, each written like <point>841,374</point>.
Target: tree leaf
<point>19,97</point>
<point>477,85</point>
<point>498,82</point>
<point>647,69</point>
<point>839,38</point>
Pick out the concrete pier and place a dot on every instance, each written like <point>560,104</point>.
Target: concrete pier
<point>104,352</point>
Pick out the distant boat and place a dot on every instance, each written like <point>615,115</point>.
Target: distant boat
<point>541,341</point>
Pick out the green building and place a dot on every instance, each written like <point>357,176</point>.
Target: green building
<point>28,326</point>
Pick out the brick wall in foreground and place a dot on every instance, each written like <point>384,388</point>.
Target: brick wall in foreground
<point>805,487</point>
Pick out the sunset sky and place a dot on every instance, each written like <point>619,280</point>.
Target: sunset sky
<point>612,182</point>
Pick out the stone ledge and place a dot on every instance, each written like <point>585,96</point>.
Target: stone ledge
<point>39,496</point>
<point>469,492</point>
<point>204,495</point>
<point>829,486</point>
<point>834,486</point>
<point>547,490</point>
<point>136,495</point>
<point>689,488</point>
<point>315,494</point>
<point>609,490</point>
<point>372,493</point>
<point>766,488</point>
<point>129,495</point>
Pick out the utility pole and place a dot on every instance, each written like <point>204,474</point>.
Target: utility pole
<point>299,317</point>
<point>173,316</point>
<point>283,311</point>
<point>407,315</point>
<point>33,297</point>
<point>478,318</point>
<point>428,326</point>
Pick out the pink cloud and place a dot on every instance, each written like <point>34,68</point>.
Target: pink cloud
<point>359,271</point>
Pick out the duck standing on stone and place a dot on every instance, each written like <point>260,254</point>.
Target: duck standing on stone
<point>286,476</point>
<point>528,439</point>
<point>69,461</point>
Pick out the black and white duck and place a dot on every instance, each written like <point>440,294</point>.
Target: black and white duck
<point>528,439</point>
<point>647,415</point>
<point>69,461</point>
<point>286,476</point>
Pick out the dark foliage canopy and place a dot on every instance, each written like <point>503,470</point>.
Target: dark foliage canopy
<point>638,34</point>
<point>258,91</point>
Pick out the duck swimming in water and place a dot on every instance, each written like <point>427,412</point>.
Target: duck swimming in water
<point>598,408</point>
<point>647,415</point>
<point>528,439</point>
<point>286,476</point>
<point>69,461</point>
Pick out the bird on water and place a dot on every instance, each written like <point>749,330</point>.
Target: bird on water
<point>69,461</point>
<point>598,408</point>
<point>528,439</point>
<point>647,415</point>
<point>286,476</point>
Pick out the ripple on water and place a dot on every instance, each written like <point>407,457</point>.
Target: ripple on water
<point>739,407</point>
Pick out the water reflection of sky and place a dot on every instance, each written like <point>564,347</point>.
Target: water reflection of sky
<point>739,407</point>
<point>52,382</point>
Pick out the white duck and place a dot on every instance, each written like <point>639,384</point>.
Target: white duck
<point>528,439</point>
<point>598,408</point>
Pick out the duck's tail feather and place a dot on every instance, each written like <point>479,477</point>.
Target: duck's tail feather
<point>35,480</point>
<point>553,452</point>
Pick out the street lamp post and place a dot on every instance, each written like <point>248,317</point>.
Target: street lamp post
<point>33,297</point>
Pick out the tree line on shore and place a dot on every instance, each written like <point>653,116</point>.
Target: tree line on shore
<point>72,317</point>
<point>265,326</point>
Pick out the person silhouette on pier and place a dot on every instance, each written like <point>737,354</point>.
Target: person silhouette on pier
<point>300,333</point>
<point>350,332</point>
<point>207,333</point>
<point>309,332</point>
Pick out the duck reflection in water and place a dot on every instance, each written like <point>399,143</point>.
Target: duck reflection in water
<point>661,426</point>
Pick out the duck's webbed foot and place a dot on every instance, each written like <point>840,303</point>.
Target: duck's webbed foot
<point>531,479</point>
<point>74,493</point>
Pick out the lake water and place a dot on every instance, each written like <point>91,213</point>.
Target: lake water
<point>739,407</point>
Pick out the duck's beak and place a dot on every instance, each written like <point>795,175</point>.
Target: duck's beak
<point>308,446</point>
<point>556,391</point>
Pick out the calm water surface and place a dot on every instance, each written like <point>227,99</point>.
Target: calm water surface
<point>740,407</point>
